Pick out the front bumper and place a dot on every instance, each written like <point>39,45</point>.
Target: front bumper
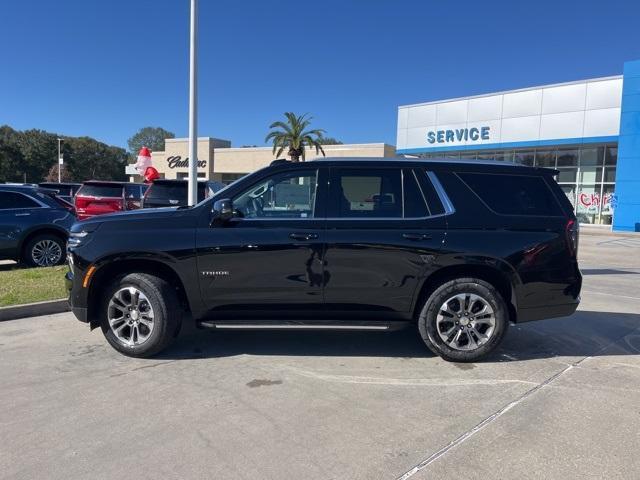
<point>79,311</point>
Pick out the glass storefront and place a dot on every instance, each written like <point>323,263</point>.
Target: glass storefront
<point>587,173</point>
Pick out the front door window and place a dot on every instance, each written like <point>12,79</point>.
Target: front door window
<point>282,196</point>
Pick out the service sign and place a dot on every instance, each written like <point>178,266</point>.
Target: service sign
<point>459,135</point>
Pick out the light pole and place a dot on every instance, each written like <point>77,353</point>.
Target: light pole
<point>193,104</point>
<point>60,161</point>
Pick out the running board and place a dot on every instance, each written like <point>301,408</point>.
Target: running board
<point>300,325</point>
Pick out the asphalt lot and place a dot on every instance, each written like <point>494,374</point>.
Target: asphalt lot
<point>560,399</point>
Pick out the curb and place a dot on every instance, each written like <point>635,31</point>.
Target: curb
<point>34,309</point>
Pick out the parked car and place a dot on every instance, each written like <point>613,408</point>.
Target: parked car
<point>174,193</point>
<point>34,225</point>
<point>97,197</point>
<point>458,249</point>
<point>66,191</point>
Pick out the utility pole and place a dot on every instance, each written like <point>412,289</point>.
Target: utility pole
<point>60,160</point>
<point>193,106</point>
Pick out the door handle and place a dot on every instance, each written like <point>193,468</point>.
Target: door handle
<point>303,236</point>
<point>22,214</point>
<point>416,236</point>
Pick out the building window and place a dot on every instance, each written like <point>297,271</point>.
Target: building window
<point>185,175</point>
<point>524,158</point>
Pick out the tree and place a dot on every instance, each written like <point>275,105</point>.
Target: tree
<point>295,136</point>
<point>11,160</point>
<point>150,137</point>
<point>330,141</point>
<point>52,176</point>
<point>91,159</point>
<point>39,150</point>
<point>32,156</point>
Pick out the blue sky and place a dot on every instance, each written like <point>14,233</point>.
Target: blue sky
<point>106,68</point>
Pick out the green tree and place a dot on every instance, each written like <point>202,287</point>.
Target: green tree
<point>295,136</point>
<point>32,156</point>
<point>150,137</point>
<point>330,141</point>
<point>88,159</point>
<point>11,161</point>
<point>39,150</point>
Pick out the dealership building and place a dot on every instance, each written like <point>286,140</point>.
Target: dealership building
<point>217,160</point>
<point>588,130</point>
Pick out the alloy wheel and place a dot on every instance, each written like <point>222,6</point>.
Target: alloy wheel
<point>46,253</point>
<point>465,321</point>
<point>130,316</point>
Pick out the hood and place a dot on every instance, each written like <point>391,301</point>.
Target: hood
<point>92,223</point>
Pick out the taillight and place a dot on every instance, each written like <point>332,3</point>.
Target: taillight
<point>573,234</point>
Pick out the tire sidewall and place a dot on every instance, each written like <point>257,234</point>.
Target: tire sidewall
<point>158,338</point>
<point>429,313</point>
<point>28,250</point>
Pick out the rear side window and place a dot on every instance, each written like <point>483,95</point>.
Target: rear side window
<point>513,194</point>
<point>101,190</point>
<point>367,193</point>
<point>16,200</point>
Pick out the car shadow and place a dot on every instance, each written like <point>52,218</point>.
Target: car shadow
<point>586,333</point>
<point>607,271</point>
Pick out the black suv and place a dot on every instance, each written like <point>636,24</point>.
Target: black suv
<point>460,249</point>
<point>34,225</point>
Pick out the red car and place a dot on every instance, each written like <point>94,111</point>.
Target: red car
<point>97,197</point>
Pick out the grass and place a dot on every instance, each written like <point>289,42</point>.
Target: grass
<point>27,285</point>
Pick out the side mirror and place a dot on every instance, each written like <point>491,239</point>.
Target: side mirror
<point>221,212</point>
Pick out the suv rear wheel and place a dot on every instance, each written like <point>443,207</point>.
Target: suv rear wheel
<point>44,250</point>
<point>139,314</point>
<point>463,320</point>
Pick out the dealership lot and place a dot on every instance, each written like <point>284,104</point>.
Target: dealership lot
<point>560,399</point>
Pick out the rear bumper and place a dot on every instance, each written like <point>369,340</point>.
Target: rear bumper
<point>548,311</point>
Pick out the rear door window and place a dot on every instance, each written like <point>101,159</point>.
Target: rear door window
<point>91,190</point>
<point>513,194</point>
<point>366,193</point>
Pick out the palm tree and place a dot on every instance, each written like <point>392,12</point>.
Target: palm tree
<point>295,136</point>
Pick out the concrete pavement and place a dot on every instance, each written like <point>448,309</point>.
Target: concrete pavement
<point>560,399</point>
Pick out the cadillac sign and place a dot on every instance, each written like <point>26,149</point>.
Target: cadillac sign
<point>176,161</point>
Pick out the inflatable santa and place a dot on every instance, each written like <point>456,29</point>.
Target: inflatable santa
<point>144,160</point>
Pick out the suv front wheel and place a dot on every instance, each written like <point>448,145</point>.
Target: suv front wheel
<point>140,316</point>
<point>463,320</point>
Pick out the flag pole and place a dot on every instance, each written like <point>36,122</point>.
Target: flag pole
<point>193,104</point>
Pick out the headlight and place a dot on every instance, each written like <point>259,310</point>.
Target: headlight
<point>76,238</point>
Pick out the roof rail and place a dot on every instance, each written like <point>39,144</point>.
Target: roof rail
<point>279,161</point>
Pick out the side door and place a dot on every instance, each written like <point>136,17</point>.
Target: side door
<point>267,262</point>
<point>16,215</point>
<point>385,227</point>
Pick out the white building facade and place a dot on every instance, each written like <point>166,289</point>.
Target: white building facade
<point>573,127</point>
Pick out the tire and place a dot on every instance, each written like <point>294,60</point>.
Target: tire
<point>151,325</point>
<point>486,315</point>
<point>44,250</point>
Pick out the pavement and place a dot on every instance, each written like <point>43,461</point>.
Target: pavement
<point>559,400</point>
